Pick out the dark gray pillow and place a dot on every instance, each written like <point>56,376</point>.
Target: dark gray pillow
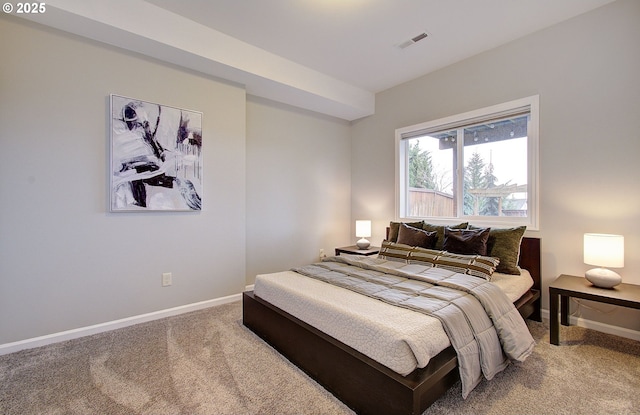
<point>440,231</point>
<point>466,241</point>
<point>411,236</point>
<point>394,228</point>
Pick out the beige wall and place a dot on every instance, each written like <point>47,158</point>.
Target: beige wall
<point>276,188</point>
<point>281,183</point>
<point>65,261</point>
<point>298,186</point>
<point>586,73</point>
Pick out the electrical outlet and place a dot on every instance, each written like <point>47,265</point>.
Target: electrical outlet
<point>166,279</point>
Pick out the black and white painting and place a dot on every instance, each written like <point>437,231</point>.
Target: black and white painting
<point>156,157</point>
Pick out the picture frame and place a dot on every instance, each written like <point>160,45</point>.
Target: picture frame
<point>156,159</point>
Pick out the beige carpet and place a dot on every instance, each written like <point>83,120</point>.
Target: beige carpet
<point>206,362</point>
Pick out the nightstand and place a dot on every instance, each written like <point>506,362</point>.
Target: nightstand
<point>354,250</point>
<point>567,286</point>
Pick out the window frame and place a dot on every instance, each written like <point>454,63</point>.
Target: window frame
<point>528,105</point>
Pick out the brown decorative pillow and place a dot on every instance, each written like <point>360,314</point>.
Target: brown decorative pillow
<point>439,229</point>
<point>411,236</point>
<point>466,241</point>
<point>394,228</point>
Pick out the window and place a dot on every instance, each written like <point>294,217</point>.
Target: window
<point>481,166</point>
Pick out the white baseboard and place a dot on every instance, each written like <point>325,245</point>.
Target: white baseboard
<point>602,327</point>
<point>112,325</point>
<point>130,321</point>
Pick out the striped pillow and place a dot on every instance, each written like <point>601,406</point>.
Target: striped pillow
<point>425,256</point>
<point>475,265</point>
<point>392,251</point>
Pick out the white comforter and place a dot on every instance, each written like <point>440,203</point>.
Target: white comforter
<point>398,338</point>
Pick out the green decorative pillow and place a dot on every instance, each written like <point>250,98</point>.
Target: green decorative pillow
<point>394,229</point>
<point>408,235</point>
<point>440,231</point>
<point>505,244</point>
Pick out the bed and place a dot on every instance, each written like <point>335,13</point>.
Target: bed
<point>362,383</point>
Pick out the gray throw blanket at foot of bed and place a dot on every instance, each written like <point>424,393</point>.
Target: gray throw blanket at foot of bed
<point>484,327</point>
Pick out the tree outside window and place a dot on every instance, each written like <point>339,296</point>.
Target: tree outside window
<point>470,169</point>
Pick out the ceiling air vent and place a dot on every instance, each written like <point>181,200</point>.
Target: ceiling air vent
<point>413,40</point>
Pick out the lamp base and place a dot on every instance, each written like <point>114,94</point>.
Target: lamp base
<point>363,244</point>
<point>603,278</point>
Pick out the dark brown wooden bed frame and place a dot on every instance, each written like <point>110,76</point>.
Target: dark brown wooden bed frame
<point>363,384</point>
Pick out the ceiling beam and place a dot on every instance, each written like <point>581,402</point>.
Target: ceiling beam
<point>144,28</point>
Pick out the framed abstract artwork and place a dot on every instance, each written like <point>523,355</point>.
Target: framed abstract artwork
<point>156,157</point>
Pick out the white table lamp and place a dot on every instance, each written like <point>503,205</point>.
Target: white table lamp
<point>363,231</point>
<point>603,250</point>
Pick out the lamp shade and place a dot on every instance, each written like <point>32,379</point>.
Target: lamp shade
<point>363,228</point>
<point>604,250</point>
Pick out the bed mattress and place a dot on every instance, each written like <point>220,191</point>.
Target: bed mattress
<point>398,338</point>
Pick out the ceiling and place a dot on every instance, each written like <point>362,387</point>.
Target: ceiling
<point>356,40</point>
<point>329,56</point>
